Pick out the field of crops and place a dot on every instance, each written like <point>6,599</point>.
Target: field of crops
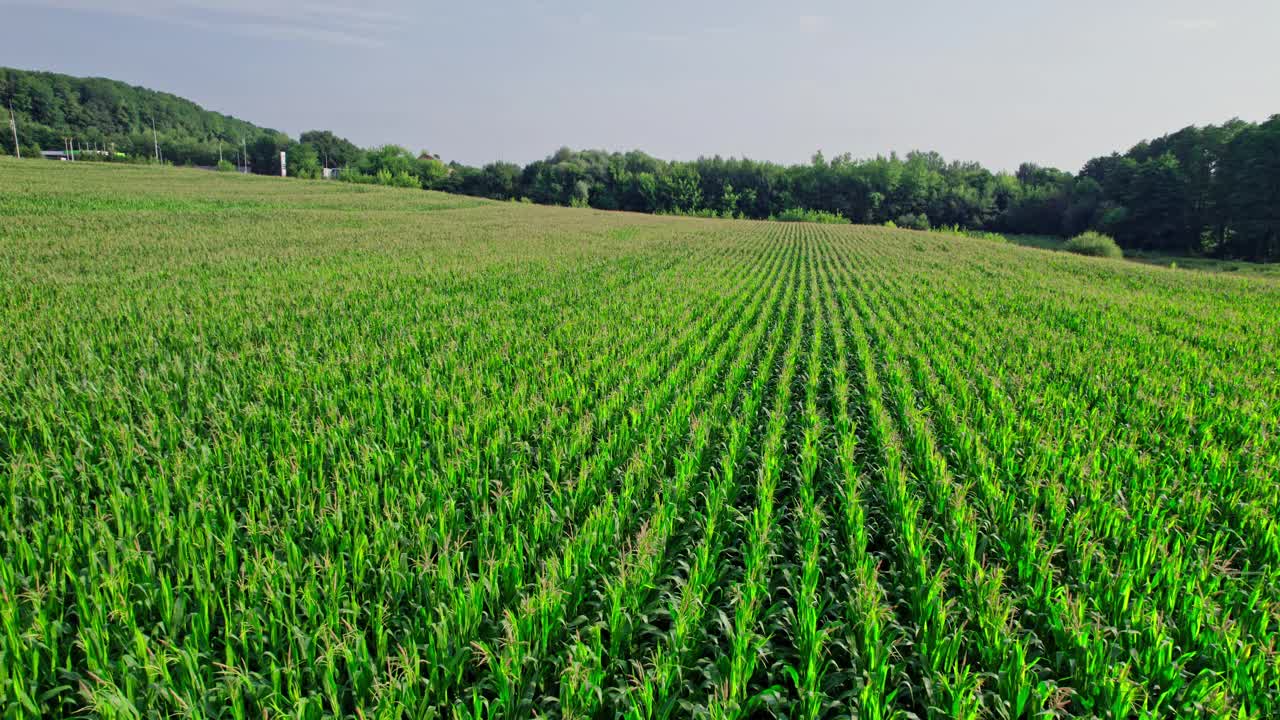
<point>274,448</point>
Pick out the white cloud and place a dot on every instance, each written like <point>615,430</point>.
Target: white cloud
<point>331,23</point>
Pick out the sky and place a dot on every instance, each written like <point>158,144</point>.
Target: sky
<point>995,81</point>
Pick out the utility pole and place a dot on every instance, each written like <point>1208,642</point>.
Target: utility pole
<point>244,153</point>
<point>13,125</point>
<point>73,148</point>
<point>155,138</point>
<point>219,151</point>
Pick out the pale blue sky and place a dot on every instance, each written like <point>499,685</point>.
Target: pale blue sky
<point>997,81</point>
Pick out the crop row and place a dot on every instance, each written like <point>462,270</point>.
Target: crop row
<point>678,469</point>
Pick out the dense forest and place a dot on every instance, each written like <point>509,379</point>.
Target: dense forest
<point>1211,190</point>
<point>115,117</point>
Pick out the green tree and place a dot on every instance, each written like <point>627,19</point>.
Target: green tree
<point>302,161</point>
<point>680,187</point>
<point>392,159</point>
<point>264,153</point>
<point>1249,193</point>
<point>431,172</point>
<point>334,151</point>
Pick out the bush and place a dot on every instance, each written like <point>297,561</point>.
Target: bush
<point>1094,244</point>
<point>699,213</point>
<point>912,221</point>
<point>813,216</point>
<point>29,152</point>
<point>383,177</point>
<point>976,234</point>
<point>309,171</point>
<point>226,166</point>
<point>402,179</point>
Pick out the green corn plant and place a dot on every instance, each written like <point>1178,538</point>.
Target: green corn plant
<point>286,450</point>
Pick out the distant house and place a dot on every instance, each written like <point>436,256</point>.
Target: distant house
<point>53,154</point>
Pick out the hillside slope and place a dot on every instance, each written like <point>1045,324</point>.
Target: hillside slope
<point>109,113</point>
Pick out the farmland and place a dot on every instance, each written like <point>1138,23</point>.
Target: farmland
<point>286,448</point>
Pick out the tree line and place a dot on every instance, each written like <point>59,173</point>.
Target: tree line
<point>1211,190</point>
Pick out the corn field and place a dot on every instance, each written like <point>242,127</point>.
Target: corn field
<point>288,449</point>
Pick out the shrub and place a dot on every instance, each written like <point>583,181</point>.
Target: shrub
<point>813,216</point>
<point>701,213</point>
<point>353,175</point>
<point>226,166</point>
<point>581,195</point>
<point>912,221</point>
<point>1094,244</point>
<point>406,179</point>
<point>400,179</point>
<point>976,234</point>
<point>382,177</point>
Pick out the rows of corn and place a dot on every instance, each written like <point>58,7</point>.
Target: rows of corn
<point>275,449</point>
